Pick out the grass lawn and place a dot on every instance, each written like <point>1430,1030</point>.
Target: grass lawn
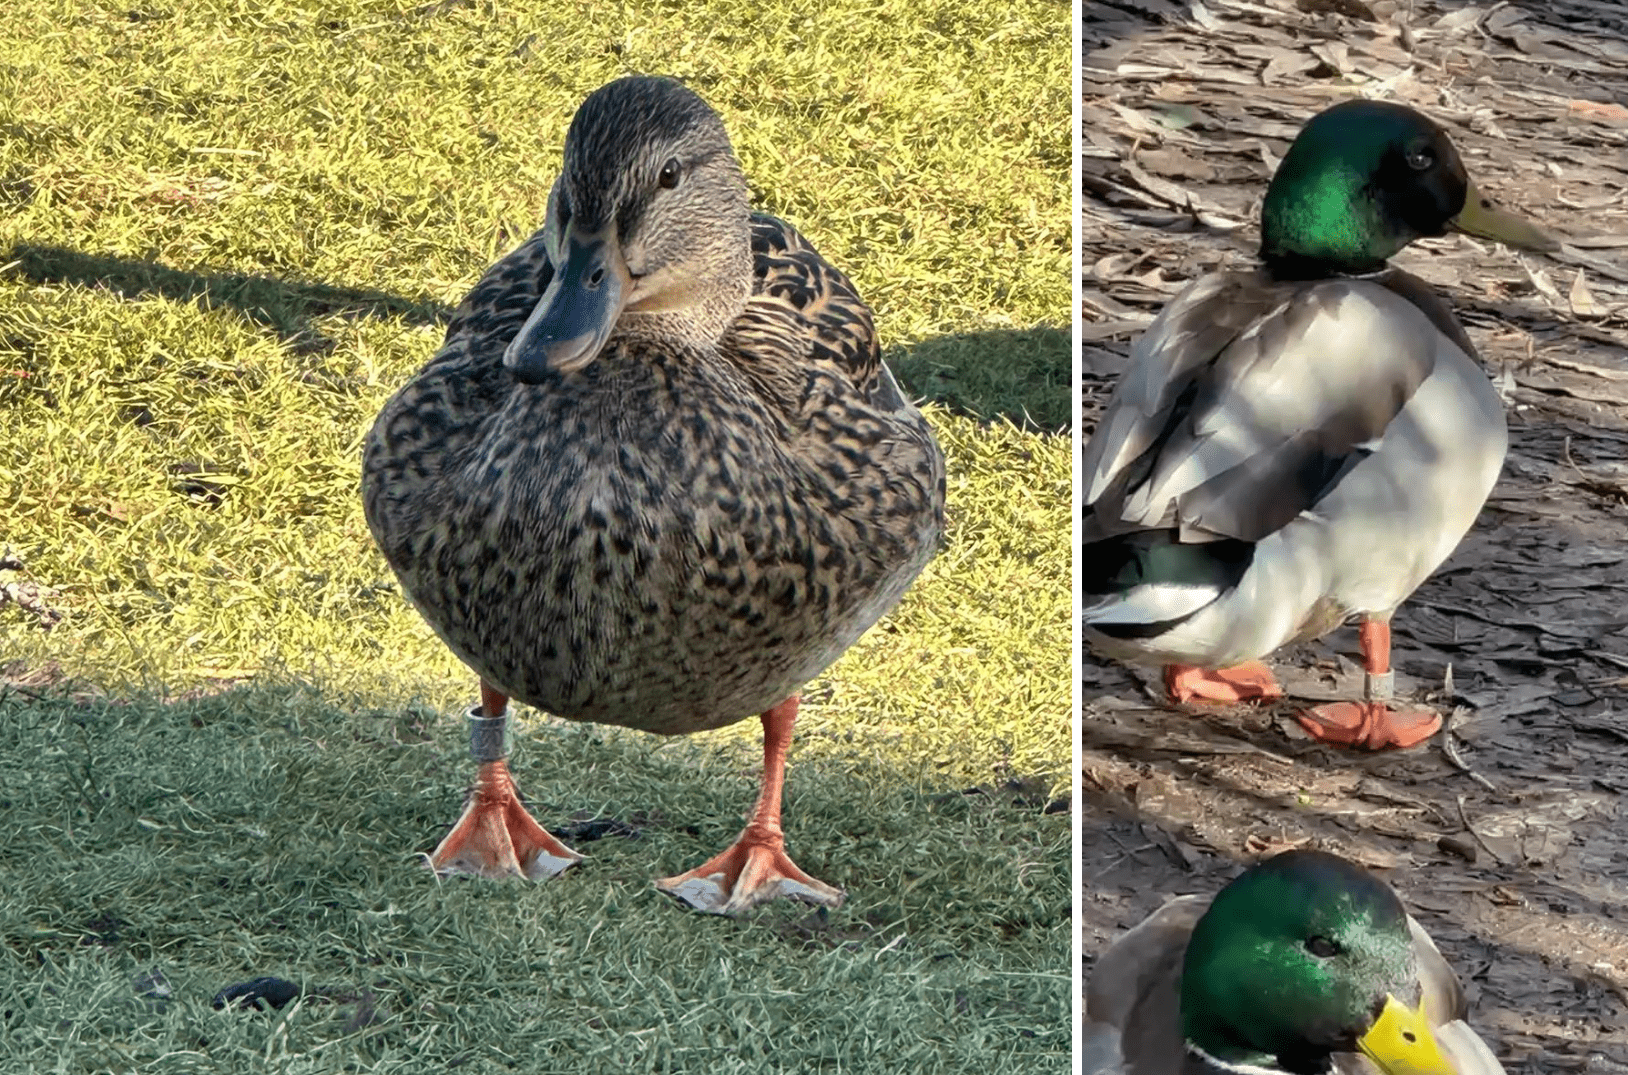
<point>227,233</point>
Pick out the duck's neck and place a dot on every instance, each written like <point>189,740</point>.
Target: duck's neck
<point>1320,211</point>
<point>1292,267</point>
<point>1257,1065</point>
<point>697,317</point>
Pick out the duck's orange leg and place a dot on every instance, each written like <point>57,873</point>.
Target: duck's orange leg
<point>1247,682</point>
<point>756,867</point>
<point>496,837</point>
<point>1371,724</point>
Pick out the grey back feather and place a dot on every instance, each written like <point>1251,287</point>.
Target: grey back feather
<point>1133,998</point>
<point>1246,397</point>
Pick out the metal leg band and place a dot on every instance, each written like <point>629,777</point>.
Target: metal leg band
<point>1379,686</point>
<point>487,738</point>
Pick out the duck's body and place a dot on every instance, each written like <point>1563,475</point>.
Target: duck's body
<point>673,538</point>
<point>657,475</point>
<point>1322,446</point>
<point>1303,442</point>
<point>1137,1017</point>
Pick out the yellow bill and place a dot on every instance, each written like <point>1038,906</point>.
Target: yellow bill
<point>1481,218</point>
<point>1401,1042</point>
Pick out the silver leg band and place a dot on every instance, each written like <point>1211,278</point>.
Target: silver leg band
<point>487,741</point>
<point>1380,687</point>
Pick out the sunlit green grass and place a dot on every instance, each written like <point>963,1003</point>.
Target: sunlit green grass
<point>227,233</point>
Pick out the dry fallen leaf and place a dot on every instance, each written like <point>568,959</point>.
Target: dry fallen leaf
<point>1546,287</point>
<point>1582,303</point>
<point>1202,16</point>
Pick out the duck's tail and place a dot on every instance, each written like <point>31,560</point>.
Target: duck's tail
<point>1143,584</point>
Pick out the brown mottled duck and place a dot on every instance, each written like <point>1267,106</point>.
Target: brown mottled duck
<point>656,476</point>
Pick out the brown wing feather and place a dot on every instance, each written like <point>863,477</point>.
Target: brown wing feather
<point>426,428</point>
<point>804,319</point>
<point>1432,305</point>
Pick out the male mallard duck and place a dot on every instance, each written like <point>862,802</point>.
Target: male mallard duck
<point>1305,964</point>
<point>1301,442</point>
<point>657,476</point>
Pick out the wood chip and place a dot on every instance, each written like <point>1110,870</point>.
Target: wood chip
<point>1582,303</point>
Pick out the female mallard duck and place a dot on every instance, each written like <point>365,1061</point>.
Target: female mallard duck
<point>1302,442</point>
<point>1306,964</point>
<point>657,476</point>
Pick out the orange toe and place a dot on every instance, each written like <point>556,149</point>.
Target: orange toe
<point>1248,682</point>
<point>496,837</point>
<point>1369,725</point>
<point>754,870</point>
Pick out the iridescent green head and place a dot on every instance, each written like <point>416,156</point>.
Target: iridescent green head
<point>1361,181</point>
<point>1303,956</point>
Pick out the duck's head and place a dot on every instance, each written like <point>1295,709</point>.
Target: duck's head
<point>648,229</point>
<point>1303,956</point>
<point>1361,181</point>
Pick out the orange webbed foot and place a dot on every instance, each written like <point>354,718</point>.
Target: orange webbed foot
<point>1369,725</point>
<point>754,870</point>
<point>496,837</point>
<point>1251,681</point>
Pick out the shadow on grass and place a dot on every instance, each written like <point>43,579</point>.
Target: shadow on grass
<point>1020,374</point>
<point>281,305</point>
<point>273,830</point>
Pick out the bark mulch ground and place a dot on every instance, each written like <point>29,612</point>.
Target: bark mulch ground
<point>1504,835</point>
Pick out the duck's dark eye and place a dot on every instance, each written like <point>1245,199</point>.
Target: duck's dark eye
<point>1421,159</point>
<point>670,173</point>
<point>1322,947</point>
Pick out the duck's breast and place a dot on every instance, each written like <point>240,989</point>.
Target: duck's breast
<point>644,543</point>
